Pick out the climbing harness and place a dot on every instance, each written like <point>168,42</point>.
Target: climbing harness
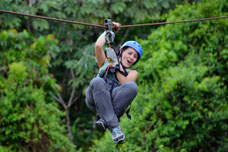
<point>111,54</point>
<point>114,64</point>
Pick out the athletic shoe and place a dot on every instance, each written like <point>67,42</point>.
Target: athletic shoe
<point>100,124</point>
<point>117,135</point>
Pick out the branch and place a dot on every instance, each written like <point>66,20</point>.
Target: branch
<point>73,91</point>
<point>124,37</point>
<point>73,101</point>
<point>71,98</point>
<point>5,68</point>
<point>31,2</point>
<point>60,100</point>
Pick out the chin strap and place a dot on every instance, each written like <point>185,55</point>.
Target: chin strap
<point>124,73</point>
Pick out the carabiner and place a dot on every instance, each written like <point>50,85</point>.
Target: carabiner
<point>110,35</point>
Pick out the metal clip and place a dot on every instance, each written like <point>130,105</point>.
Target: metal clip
<point>110,35</point>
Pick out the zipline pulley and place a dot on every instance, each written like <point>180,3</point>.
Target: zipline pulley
<point>109,38</point>
<point>110,35</point>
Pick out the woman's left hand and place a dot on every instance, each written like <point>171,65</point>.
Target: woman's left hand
<point>116,26</point>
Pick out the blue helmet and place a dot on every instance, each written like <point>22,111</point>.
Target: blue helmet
<point>134,45</point>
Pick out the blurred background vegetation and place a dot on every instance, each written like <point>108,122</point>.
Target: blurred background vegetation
<point>45,67</point>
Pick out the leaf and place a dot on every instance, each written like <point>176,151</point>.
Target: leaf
<point>40,24</point>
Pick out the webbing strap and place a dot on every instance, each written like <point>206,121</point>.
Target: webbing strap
<point>127,112</point>
<point>106,73</point>
<point>125,73</point>
<point>113,81</point>
<point>113,70</point>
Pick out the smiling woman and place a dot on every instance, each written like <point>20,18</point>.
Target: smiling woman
<point>129,57</point>
<point>110,100</point>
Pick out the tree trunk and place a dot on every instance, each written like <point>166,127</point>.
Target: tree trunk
<point>68,125</point>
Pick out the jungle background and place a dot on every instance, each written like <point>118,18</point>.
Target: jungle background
<point>45,67</point>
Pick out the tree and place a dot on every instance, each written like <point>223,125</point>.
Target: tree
<point>29,118</point>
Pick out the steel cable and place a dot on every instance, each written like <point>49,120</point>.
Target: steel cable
<point>102,26</point>
<point>183,21</point>
<point>53,19</point>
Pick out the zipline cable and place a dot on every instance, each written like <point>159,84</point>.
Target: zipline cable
<point>53,19</point>
<point>102,26</point>
<point>183,21</point>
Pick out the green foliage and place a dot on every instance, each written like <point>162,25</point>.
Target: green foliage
<point>76,42</point>
<point>4,149</point>
<point>29,118</point>
<point>74,38</point>
<point>87,132</point>
<point>50,7</point>
<point>182,99</point>
<point>83,66</point>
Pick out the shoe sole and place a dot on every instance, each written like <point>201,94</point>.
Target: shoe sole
<point>100,126</point>
<point>119,140</point>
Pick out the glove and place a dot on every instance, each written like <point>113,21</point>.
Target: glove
<point>111,56</point>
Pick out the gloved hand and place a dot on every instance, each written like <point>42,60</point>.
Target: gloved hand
<point>116,26</point>
<point>111,56</point>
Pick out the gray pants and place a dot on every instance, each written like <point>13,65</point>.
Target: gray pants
<point>98,99</point>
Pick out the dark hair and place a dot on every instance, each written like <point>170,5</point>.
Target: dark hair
<point>124,48</point>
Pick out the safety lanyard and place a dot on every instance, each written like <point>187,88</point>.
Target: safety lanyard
<point>110,52</point>
<point>114,64</point>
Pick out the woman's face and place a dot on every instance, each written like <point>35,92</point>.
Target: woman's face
<point>129,57</point>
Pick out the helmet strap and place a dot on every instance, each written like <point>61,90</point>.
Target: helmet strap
<point>120,60</point>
